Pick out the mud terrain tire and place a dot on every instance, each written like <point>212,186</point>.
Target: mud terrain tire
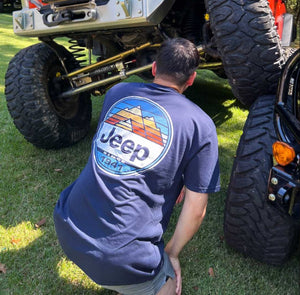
<point>252,225</point>
<point>32,99</point>
<point>249,46</point>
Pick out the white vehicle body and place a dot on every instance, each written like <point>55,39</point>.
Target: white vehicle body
<point>88,16</point>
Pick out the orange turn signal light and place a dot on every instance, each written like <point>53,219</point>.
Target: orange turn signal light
<point>283,153</point>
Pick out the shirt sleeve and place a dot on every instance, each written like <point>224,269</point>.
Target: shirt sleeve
<point>202,173</point>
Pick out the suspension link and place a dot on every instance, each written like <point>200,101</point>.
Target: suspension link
<point>109,60</point>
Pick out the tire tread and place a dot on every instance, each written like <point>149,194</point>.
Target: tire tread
<point>252,225</point>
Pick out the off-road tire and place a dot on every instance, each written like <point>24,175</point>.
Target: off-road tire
<point>32,99</point>
<point>249,46</point>
<point>252,225</point>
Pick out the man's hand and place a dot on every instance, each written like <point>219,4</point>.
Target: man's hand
<point>177,269</point>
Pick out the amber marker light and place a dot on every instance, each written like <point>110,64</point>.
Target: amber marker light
<point>283,153</point>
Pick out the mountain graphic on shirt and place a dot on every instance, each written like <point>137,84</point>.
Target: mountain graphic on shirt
<point>133,121</point>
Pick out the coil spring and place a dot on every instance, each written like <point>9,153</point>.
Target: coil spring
<point>104,70</point>
<point>77,50</point>
<point>193,21</point>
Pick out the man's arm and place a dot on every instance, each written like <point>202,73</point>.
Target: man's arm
<point>190,219</point>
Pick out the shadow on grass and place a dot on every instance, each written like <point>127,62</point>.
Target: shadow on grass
<point>209,92</point>
<point>26,263</point>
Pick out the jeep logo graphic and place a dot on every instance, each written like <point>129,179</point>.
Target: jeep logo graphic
<point>135,135</point>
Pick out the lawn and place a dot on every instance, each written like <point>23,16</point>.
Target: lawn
<point>31,261</point>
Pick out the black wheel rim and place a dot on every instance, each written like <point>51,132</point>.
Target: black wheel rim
<point>66,108</point>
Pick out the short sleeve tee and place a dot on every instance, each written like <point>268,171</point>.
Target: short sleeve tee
<point>150,141</point>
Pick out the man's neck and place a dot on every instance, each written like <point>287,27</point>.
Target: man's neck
<point>170,84</point>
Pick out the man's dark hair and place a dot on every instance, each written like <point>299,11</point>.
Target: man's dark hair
<point>177,59</point>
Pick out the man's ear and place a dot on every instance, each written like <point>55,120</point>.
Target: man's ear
<point>191,79</point>
<point>154,68</point>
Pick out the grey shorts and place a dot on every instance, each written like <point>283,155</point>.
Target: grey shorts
<point>149,287</point>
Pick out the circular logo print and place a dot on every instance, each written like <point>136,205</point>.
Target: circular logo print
<point>134,136</point>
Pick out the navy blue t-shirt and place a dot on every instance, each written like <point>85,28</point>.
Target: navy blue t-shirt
<point>150,141</point>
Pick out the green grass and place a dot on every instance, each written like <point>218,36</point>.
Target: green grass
<point>31,180</point>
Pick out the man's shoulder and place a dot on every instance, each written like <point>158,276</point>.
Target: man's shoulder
<point>126,85</point>
<point>194,111</point>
